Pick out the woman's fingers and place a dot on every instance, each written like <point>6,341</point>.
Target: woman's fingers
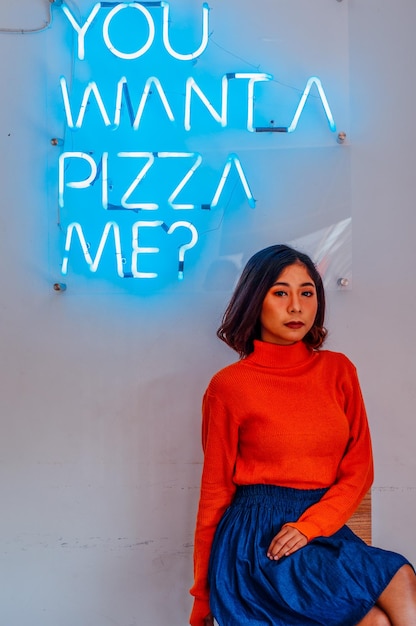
<point>287,541</point>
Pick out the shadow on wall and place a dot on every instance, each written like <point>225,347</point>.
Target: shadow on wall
<point>222,276</point>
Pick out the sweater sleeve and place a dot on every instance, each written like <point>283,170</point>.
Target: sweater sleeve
<point>219,442</point>
<point>355,472</point>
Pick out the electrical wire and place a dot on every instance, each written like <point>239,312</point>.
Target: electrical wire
<point>31,31</point>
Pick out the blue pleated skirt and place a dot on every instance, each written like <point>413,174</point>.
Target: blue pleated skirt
<point>332,581</point>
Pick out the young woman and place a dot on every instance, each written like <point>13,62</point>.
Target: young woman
<point>287,460</point>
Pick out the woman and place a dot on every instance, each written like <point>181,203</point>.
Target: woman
<point>287,460</point>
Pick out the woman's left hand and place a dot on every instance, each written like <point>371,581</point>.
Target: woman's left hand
<point>287,541</point>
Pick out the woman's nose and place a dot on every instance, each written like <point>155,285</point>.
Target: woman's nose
<point>294,305</point>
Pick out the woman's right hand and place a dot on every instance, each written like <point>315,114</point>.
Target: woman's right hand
<point>209,620</point>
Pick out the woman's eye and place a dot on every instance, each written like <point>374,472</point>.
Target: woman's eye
<point>308,294</point>
<point>280,293</point>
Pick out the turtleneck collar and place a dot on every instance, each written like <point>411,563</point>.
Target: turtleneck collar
<point>277,356</point>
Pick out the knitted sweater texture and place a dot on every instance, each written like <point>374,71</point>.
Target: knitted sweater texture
<point>286,416</point>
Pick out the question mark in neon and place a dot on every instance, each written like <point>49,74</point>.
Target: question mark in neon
<point>186,246</point>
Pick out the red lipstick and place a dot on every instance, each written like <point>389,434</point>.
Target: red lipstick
<point>295,325</point>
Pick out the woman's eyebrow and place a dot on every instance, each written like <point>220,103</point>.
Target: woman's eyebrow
<point>288,285</point>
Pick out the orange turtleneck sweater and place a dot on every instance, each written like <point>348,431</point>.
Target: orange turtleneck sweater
<point>287,416</point>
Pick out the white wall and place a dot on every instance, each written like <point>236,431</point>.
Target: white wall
<point>380,331</point>
<point>100,392</point>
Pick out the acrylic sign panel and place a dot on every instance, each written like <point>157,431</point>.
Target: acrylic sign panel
<point>190,135</point>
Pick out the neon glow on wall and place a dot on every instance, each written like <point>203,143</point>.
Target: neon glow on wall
<point>110,171</point>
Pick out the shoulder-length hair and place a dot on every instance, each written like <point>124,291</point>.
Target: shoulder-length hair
<point>241,321</point>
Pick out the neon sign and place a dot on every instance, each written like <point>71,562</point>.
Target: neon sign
<point>137,190</point>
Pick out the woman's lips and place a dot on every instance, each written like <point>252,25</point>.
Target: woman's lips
<point>295,325</point>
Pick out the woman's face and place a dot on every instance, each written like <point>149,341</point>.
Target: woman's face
<point>289,308</point>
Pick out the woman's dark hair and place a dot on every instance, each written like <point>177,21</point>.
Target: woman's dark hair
<point>241,321</point>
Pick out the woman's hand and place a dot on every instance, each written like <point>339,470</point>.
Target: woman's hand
<point>209,620</point>
<point>287,541</point>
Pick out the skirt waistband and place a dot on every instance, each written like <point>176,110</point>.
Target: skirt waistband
<point>274,494</point>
